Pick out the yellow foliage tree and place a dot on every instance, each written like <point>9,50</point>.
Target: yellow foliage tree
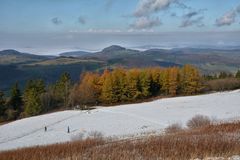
<point>173,81</point>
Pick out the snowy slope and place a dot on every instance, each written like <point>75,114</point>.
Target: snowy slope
<point>118,121</point>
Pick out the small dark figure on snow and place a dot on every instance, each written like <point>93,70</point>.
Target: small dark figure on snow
<point>68,130</point>
<point>45,128</point>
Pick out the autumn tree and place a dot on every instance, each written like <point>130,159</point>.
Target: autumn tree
<point>74,96</point>
<point>119,85</point>
<point>122,85</point>
<point>133,84</point>
<point>173,81</point>
<point>164,82</point>
<point>107,94</point>
<point>88,91</point>
<point>155,77</point>
<point>145,83</point>
<point>190,80</point>
<point>103,77</point>
<point>114,86</point>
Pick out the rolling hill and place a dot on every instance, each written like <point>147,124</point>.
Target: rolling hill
<point>14,57</point>
<point>17,66</point>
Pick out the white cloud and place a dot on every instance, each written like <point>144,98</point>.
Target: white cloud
<point>145,10</point>
<point>146,23</point>
<point>227,19</point>
<point>147,7</point>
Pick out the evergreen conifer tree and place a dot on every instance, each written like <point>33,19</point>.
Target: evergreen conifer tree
<point>15,101</point>
<point>32,97</point>
<point>63,87</point>
<point>238,74</point>
<point>2,106</point>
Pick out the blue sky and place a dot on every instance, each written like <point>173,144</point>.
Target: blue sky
<point>32,19</point>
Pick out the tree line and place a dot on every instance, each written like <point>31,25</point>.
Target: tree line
<point>222,75</point>
<point>128,85</point>
<point>110,87</point>
<point>36,98</point>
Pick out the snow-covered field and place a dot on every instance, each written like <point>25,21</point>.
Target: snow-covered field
<point>120,121</point>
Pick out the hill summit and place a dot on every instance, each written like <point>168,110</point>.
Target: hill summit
<point>113,48</point>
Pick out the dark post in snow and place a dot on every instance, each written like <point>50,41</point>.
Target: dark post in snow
<point>68,130</point>
<point>45,128</point>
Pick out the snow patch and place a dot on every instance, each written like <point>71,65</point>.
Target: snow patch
<point>118,121</point>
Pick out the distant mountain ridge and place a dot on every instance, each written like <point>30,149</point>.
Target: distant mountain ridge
<point>116,48</point>
<point>10,52</point>
<point>12,56</point>
<point>18,66</point>
<point>169,47</point>
<point>108,50</point>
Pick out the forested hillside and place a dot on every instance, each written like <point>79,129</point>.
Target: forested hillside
<point>110,87</point>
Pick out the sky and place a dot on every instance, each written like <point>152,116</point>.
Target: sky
<point>51,26</point>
